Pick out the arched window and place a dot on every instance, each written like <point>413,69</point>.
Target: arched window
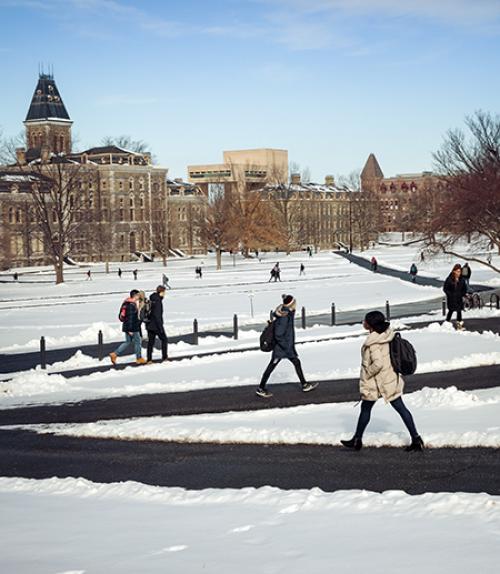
<point>11,215</point>
<point>131,183</point>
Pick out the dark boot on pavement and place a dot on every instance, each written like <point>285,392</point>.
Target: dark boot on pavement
<point>354,443</point>
<point>417,445</point>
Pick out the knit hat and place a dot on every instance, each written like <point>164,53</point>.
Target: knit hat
<point>288,300</point>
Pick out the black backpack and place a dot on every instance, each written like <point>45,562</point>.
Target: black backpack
<point>267,340</point>
<point>403,356</point>
<point>145,313</point>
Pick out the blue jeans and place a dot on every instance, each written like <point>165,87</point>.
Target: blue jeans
<point>134,339</point>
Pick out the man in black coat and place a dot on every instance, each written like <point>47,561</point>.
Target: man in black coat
<point>284,347</point>
<point>131,326</point>
<point>455,288</point>
<point>155,324</point>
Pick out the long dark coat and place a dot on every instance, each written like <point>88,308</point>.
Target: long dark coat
<point>155,324</point>
<point>284,333</point>
<point>455,292</point>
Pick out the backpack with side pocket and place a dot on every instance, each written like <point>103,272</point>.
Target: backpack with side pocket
<point>403,356</point>
<point>122,315</point>
<point>146,310</point>
<point>267,340</point>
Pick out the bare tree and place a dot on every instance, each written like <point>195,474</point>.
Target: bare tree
<point>467,209</point>
<point>8,146</point>
<point>127,143</point>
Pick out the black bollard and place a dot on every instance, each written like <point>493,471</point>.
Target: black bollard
<point>271,315</point>
<point>444,307</point>
<point>43,358</point>
<point>387,311</point>
<point>100,346</point>
<point>195,332</point>
<point>334,318</point>
<point>303,317</point>
<point>235,326</point>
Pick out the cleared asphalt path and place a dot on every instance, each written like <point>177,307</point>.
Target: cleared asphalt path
<point>198,466</point>
<point>218,400</point>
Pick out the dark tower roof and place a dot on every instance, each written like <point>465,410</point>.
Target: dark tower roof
<point>372,168</point>
<point>46,102</point>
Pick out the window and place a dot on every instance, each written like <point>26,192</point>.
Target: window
<point>120,184</point>
<point>11,215</point>
<point>131,184</point>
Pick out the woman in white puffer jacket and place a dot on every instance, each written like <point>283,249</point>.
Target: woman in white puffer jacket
<point>378,379</point>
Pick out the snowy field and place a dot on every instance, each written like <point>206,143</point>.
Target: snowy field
<point>74,526</point>
<point>401,257</point>
<point>439,348</point>
<point>71,314</point>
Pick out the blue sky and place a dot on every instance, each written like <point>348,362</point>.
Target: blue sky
<point>329,80</point>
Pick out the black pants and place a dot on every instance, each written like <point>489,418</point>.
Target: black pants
<point>151,343</point>
<point>450,313</point>
<point>397,405</point>
<point>274,363</point>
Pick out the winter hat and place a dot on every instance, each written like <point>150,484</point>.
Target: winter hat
<point>288,300</point>
<point>376,320</point>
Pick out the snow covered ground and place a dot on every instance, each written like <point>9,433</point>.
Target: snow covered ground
<point>444,417</point>
<point>72,314</point>
<point>439,348</point>
<point>73,526</point>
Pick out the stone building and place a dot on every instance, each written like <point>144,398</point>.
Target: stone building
<point>121,197</point>
<point>396,195</point>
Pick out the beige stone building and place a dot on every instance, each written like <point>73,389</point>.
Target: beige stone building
<point>122,199</point>
<point>396,194</point>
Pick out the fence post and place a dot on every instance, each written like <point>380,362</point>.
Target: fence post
<point>43,358</point>
<point>271,312</point>
<point>100,348</point>
<point>195,332</point>
<point>235,326</point>
<point>443,306</point>
<point>387,311</point>
<point>303,317</point>
<point>334,318</point>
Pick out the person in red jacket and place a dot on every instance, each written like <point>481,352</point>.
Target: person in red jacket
<point>131,326</point>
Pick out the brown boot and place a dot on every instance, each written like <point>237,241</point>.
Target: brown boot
<point>140,361</point>
<point>113,357</point>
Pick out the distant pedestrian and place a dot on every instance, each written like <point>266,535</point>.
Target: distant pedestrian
<point>89,275</point>
<point>165,283</point>
<point>422,257</point>
<point>413,272</point>
<point>379,379</point>
<point>155,325</point>
<point>119,273</point>
<point>310,250</point>
<point>198,272</point>
<point>135,272</point>
<point>302,269</point>
<point>15,276</point>
<point>284,348</point>
<point>466,274</point>
<point>455,289</point>
<point>131,327</point>
<point>374,264</point>
<point>488,258</point>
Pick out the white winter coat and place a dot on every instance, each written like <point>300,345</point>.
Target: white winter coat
<point>378,378</point>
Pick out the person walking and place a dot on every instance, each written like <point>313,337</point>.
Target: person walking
<point>413,272</point>
<point>466,274</point>
<point>89,275</point>
<point>272,274</point>
<point>155,325</point>
<point>284,348</point>
<point>165,283</point>
<point>374,264</point>
<point>119,272</point>
<point>302,269</point>
<point>455,289</point>
<point>379,379</point>
<point>16,276</point>
<point>131,326</point>
<point>134,272</point>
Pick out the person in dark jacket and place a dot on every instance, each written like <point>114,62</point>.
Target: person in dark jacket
<point>284,348</point>
<point>455,289</point>
<point>466,274</point>
<point>131,326</point>
<point>413,272</point>
<point>155,324</point>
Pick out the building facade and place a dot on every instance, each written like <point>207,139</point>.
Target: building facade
<point>118,200</point>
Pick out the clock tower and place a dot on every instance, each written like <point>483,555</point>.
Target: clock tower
<point>47,123</point>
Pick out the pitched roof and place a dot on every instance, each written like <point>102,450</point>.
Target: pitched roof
<point>372,168</point>
<point>46,102</point>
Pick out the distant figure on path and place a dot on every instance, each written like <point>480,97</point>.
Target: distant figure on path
<point>422,257</point>
<point>131,327</point>
<point>379,379</point>
<point>134,272</point>
<point>413,272</point>
<point>199,272</point>
<point>16,276</point>
<point>155,325</point>
<point>466,274</point>
<point>455,289</point>
<point>119,272</point>
<point>374,264</point>
<point>284,348</point>
<point>164,280</point>
<point>302,269</point>
<point>89,275</point>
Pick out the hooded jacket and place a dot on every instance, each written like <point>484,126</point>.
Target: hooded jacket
<point>378,378</point>
<point>284,333</point>
<point>455,292</point>
<point>155,323</point>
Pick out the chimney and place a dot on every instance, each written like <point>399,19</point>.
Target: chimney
<point>21,155</point>
<point>329,180</point>
<point>295,179</point>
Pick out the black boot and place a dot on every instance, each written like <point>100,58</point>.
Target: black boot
<point>354,443</point>
<point>417,444</point>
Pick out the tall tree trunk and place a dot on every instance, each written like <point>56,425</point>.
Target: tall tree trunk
<point>219,259</point>
<point>58,267</point>
<point>164,259</point>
